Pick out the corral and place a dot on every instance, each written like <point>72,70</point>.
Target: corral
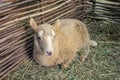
<point>16,38</point>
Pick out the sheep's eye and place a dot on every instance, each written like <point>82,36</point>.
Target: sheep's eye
<point>39,38</point>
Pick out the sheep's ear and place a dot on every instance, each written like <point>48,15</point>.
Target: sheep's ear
<point>57,24</point>
<point>33,24</point>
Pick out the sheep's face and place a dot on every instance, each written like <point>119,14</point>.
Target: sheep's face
<point>46,37</point>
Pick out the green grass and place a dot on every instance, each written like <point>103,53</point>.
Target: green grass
<point>103,62</point>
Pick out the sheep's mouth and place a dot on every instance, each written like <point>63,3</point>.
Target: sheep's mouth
<point>48,53</point>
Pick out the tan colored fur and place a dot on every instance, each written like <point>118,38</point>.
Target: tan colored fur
<point>71,37</point>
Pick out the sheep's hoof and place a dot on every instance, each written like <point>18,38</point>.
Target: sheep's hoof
<point>82,59</point>
<point>65,66</point>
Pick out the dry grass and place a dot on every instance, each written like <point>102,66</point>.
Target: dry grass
<point>103,62</point>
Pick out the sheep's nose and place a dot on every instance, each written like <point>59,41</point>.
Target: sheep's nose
<point>49,53</point>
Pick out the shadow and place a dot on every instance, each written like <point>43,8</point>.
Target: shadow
<point>28,41</point>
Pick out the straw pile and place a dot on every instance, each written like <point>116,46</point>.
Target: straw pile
<point>16,37</point>
<point>105,10</point>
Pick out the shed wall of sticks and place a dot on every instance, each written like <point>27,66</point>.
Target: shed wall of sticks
<point>108,10</point>
<point>16,36</point>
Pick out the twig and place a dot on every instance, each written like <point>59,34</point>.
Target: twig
<point>36,14</point>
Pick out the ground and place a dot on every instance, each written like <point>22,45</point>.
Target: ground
<point>103,62</point>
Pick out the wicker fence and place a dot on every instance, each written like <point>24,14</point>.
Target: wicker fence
<point>105,10</point>
<point>16,37</point>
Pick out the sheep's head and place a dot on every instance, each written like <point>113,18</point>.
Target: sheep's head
<point>45,36</point>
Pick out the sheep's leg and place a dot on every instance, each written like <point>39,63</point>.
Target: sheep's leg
<point>86,50</point>
<point>66,64</point>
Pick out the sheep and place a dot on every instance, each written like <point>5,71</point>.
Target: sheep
<point>59,43</point>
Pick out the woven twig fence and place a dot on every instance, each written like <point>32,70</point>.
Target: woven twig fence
<point>105,10</point>
<point>16,37</point>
